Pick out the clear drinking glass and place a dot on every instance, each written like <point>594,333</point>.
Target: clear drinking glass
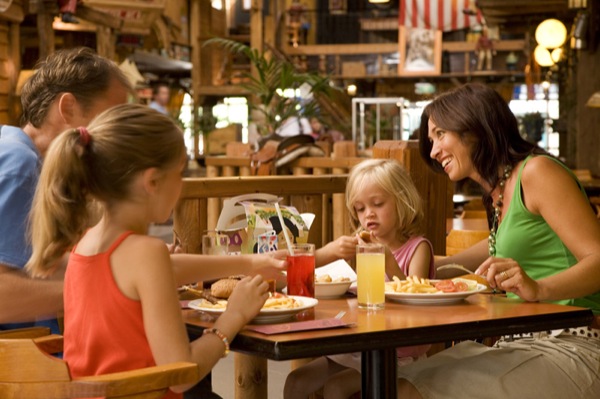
<point>301,270</point>
<point>370,270</point>
<point>215,244</point>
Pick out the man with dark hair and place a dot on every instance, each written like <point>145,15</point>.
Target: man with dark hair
<point>67,90</point>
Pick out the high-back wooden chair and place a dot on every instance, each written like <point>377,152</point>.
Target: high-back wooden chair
<point>28,371</point>
<point>459,240</point>
<point>473,214</point>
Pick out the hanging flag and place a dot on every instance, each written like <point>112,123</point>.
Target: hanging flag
<point>444,15</point>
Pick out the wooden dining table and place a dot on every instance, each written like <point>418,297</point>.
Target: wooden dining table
<point>377,333</point>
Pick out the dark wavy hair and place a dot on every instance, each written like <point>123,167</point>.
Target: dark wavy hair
<point>480,116</point>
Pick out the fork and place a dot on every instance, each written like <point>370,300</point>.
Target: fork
<point>455,266</point>
<point>340,314</point>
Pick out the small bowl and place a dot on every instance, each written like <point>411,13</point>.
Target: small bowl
<point>331,290</point>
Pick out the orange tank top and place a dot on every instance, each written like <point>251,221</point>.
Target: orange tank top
<point>104,330</point>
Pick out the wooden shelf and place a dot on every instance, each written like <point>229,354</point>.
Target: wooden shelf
<point>474,74</point>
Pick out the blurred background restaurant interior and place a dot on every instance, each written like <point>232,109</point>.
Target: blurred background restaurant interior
<point>543,57</point>
<point>237,70</point>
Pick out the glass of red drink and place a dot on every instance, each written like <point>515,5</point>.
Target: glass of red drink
<point>301,270</point>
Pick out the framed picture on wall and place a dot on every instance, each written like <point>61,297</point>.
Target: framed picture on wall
<point>420,52</point>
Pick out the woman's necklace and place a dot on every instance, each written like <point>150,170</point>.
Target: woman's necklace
<point>498,210</point>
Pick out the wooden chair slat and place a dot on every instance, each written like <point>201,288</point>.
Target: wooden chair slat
<point>29,372</point>
<point>459,240</point>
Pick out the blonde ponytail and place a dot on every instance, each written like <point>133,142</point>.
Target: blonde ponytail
<point>59,213</point>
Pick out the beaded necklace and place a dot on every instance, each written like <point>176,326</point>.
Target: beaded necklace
<point>498,210</point>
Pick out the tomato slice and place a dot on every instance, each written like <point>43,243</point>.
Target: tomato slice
<point>445,286</point>
<point>461,286</point>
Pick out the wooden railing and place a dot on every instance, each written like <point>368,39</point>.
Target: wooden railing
<point>194,214</point>
<point>435,189</point>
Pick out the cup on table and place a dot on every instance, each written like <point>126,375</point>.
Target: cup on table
<point>370,271</point>
<point>215,244</point>
<point>301,270</point>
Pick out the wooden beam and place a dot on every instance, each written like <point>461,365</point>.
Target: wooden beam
<point>196,59</point>
<point>98,17</point>
<point>45,17</point>
<point>14,13</point>
<point>225,91</point>
<point>384,48</point>
<point>343,49</point>
<point>105,42</point>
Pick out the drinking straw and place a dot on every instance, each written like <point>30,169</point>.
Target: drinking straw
<point>285,234</point>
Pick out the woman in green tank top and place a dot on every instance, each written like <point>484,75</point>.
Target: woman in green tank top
<point>544,245</point>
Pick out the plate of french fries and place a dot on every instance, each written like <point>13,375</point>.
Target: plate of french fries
<point>422,291</point>
<point>278,307</point>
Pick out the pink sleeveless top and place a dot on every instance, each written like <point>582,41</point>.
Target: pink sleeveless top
<point>404,254</point>
<point>104,330</point>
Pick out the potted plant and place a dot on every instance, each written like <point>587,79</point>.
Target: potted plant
<point>273,76</point>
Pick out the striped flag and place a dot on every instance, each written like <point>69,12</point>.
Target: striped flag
<point>444,15</point>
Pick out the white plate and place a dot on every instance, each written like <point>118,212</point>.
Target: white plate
<point>331,290</point>
<point>265,316</point>
<point>432,299</point>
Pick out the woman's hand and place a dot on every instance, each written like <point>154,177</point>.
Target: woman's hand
<point>270,264</point>
<point>248,296</point>
<point>506,274</point>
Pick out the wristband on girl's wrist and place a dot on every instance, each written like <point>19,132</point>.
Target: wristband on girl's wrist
<point>221,336</point>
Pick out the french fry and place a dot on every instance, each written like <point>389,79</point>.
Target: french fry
<point>412,285</point>
<point>271,303</point>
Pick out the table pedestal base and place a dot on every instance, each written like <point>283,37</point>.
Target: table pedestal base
<point>378,374</point>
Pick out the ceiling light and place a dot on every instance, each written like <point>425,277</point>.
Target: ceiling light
<point>542,56</point>
<point>556,54</point>
<point>551,33</point>
<point>351,89</point>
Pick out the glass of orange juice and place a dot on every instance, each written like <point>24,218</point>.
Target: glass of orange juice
<point>370,270</point>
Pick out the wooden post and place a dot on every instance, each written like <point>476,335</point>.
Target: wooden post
<point>105,42</point>
<point>251,376</point>
<point>45,17</point>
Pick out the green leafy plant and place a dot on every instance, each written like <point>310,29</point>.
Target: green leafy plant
<point>274,75</point>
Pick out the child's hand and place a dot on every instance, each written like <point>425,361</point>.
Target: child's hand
<point>175,248</point>
<point>248,296</point>
<point>366,237</point>
<point>342,248</point>
<point>269,265</point>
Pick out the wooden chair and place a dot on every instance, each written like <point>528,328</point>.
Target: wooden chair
<point>583,174</point>
<point>474,205</point>
<point>28,371</point>
<point>473,214</point>
<point>459,240</point>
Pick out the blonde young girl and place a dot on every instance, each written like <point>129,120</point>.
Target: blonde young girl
<point>121,307</point>
<point>383,200</point>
